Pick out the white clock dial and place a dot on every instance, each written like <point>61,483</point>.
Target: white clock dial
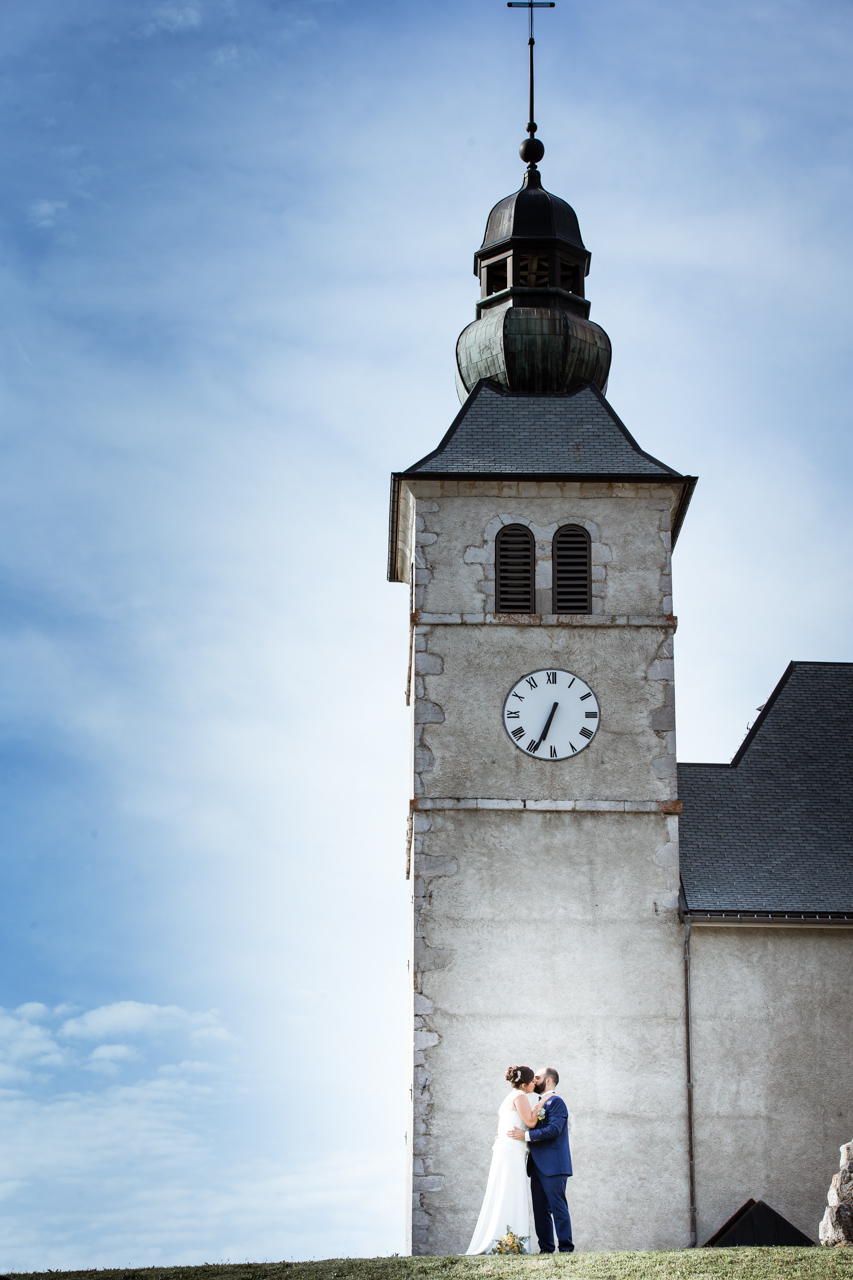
<point>551,715</point>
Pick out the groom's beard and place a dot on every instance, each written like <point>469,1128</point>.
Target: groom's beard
<point>539,1088</point>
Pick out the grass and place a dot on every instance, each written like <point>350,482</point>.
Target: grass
<point>688,1264</point>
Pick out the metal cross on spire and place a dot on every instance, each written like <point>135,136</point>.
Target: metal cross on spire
<point>535,152</point>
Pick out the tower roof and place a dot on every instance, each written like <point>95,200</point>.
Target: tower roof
<point>772,832</point>
<point>532,332</point>
<point>573,436</point>
<point>531,213</point>
<point>503,435</point>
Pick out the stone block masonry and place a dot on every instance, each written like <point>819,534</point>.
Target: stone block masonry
<point>545,894</point>
<point>836,1226</point>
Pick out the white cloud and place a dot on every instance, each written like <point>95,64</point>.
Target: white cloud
<point>44,213</point>
<point>131,1018</point>
<point>112,1053</point>
<point>25,1044</point>
<point>164,1181</point>
<point>160,1186</point>
<point>31,1047</point>
<point>32,1010</point>
<point>187,1067</point>
<point>226,56</point>
<point>171,18</point>
<point>105,1058</point>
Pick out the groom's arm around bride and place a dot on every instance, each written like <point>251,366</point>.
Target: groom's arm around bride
<point>549,1164</point>
<point>549,1131</point>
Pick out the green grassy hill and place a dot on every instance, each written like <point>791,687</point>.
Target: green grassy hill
<point>689,1264</point>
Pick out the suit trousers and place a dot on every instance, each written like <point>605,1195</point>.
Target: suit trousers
<point>549,1201</point>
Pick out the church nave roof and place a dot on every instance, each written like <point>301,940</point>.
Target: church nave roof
<point>772,832</point>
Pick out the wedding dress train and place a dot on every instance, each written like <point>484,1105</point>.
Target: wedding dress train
<point>505,1202</point>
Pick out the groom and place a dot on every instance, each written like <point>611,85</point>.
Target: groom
<point>548,1165</point>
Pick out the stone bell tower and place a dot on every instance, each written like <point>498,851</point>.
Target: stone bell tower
<point>544,864</point>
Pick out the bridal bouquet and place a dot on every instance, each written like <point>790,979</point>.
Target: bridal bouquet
<point>510,1243</point>
<point>541,1115</point>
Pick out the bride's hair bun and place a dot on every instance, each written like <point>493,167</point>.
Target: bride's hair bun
<point>517,1076</point>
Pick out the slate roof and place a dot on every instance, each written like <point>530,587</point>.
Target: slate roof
<point>500,433</point>
<point>773,831</point>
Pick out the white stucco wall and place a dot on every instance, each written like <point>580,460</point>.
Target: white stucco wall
<point>541,940</point>
<point>773,1068</point>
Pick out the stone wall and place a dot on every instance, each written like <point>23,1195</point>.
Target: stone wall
<point>461,748</point>
<point>454,525</point>
<point>545,922</point>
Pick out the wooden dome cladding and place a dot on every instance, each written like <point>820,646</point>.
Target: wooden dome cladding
<point>515,561</point>
<point>571,569</point>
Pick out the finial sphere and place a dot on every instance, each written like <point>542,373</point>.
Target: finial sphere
<point>531,150</point>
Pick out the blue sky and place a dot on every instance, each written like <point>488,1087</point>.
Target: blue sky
<point>235,253</point>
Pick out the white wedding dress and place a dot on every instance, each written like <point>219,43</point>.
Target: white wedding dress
<point>505,1203</point>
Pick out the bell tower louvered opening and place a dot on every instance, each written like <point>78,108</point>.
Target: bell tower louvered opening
<point>571,570</point>
<point>514,561</point>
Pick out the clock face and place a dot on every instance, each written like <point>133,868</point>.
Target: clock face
<point>551,715</point>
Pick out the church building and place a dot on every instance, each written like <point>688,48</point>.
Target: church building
<point>676,939</point>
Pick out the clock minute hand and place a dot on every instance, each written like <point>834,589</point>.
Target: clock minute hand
<point>544,733</point>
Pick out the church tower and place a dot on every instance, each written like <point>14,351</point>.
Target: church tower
<point>543,847</point>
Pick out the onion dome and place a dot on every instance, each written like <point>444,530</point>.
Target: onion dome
<point>532,333</point>
<point>531,213</point>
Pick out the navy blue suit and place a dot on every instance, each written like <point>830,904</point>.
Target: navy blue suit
<point>549,1164</point>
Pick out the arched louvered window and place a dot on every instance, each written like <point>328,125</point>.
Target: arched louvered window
<point>570,565</point>
<point>514,570</point>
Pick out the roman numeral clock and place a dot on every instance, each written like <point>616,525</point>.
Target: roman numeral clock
<point>551,715</point>
<point>543,834</point>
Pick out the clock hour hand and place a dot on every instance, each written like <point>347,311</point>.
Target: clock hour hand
<point>544,733</point>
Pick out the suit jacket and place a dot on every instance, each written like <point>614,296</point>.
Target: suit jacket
<point>549,1142</point>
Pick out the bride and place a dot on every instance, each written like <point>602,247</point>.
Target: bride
<point>505,1203</point>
